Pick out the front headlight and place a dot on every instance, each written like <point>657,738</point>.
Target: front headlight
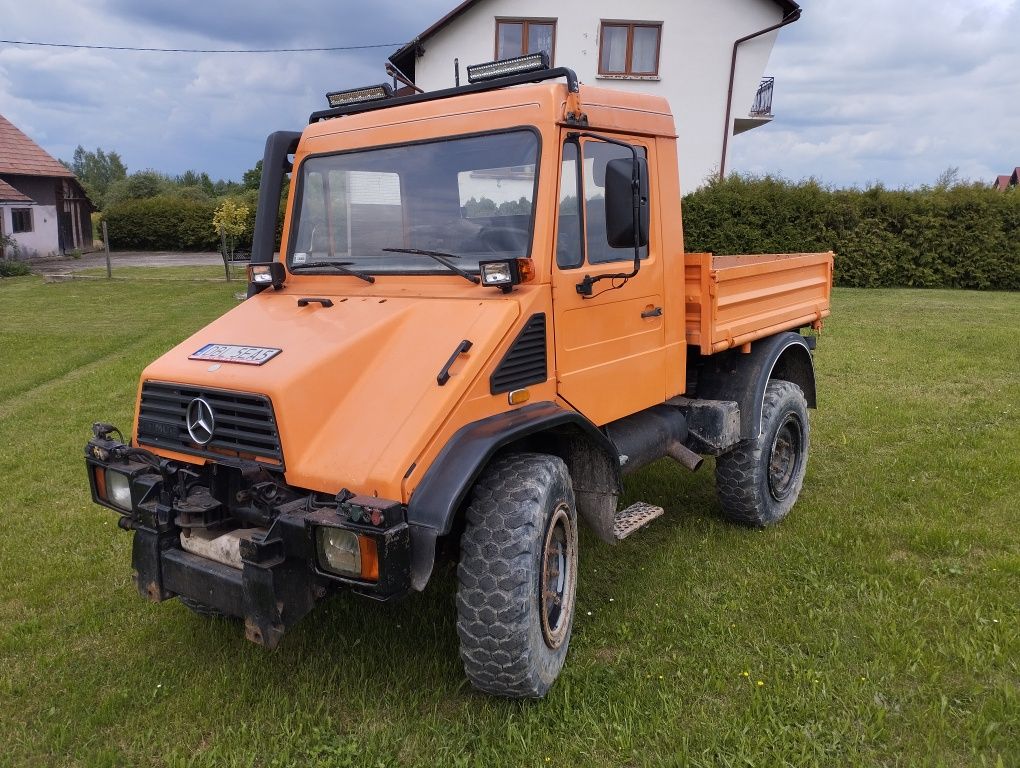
<point>346,553</point>
<point>118,489</point>
<point>339,551</point>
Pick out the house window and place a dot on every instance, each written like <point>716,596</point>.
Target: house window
<point>630,48</point>
<point>21,220</point>
<point>518,37</point>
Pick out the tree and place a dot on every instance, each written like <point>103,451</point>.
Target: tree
<point>948,179</point>
<point>137,186</point>
<point>253,177</point>
<point>96,171</point>
<point>232,218</point>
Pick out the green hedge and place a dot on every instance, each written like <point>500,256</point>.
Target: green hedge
<point>164,223</point>
<point>963,237</point>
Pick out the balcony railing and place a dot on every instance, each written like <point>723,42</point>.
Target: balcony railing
<point>763,99</point>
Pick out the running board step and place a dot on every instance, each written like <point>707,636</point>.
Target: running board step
<point>636,516</point>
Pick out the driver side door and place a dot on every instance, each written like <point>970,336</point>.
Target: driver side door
<point>610,346</point>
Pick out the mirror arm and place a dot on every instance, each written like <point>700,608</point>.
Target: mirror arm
<point>584,288</point>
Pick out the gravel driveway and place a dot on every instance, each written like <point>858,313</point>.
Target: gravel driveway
<point>63,265</point>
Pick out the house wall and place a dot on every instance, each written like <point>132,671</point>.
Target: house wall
<point>694,62</point>
<point>44,239</point>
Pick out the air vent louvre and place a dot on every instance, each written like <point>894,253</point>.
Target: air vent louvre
<point>525,362</point>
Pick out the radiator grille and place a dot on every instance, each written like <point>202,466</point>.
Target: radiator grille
<point>245,423</point>
<point>525,361</point>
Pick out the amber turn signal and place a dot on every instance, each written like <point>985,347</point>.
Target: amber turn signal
<point>526,269</point>
<point>519,397</point>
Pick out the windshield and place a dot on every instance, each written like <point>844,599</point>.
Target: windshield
<point>469,198</point>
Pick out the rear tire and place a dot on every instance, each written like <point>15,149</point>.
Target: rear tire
<point>517,576</point>
<point>758,482</point>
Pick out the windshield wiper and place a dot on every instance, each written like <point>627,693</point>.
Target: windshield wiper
<point>340,266</point>
<point>441,258</point>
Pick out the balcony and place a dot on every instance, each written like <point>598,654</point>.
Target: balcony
<point>761,109</point>
<point>762,106</point>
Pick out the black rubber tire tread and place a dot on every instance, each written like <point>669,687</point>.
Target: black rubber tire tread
<point>741,480</point>
<point>202,609</point>
<point>499,621</point>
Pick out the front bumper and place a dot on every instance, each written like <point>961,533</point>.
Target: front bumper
<point>280,579</point>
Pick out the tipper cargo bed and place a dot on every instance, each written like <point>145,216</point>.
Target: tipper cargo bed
<point>735,300</point>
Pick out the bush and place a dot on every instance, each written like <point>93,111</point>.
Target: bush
<point>13,268</point>
<point>959,237</point>
<point>137,186</point>
<point>166,222</point>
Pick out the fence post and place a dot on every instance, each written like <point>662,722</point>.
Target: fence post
<point>106,245</point>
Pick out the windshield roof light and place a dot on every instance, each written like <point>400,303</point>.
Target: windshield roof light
<point>358,95</point>
<point>534,62</point>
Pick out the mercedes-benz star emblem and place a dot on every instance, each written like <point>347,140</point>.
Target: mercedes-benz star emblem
<point>201,421</point>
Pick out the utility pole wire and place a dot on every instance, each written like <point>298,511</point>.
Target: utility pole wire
<point>203,50</point>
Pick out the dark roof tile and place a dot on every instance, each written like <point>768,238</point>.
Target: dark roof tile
<point>9,194</point>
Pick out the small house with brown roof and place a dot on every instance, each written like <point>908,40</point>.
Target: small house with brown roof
<point>1004,182</point>
<point>43,207</point>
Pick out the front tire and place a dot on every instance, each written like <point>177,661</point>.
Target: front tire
<point>517,576</point>
<point>758,482</point>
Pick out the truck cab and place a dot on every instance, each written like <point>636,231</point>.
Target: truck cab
<point>481,319</point>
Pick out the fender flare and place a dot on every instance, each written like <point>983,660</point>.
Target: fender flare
<point>743,378</point>
<point>434,503</point>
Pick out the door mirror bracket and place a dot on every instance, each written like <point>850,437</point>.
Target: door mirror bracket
<point>627,210</point>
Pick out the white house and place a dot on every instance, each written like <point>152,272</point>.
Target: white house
<point>707,57</point>
<point>42,205</point>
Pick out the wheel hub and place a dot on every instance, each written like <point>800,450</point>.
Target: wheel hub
<point>559,564</point>
<point>785,458</point>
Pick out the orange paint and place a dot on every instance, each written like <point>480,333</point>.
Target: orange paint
<point>354,389</point>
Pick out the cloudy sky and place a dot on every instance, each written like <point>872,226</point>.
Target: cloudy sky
<point>871,90</point>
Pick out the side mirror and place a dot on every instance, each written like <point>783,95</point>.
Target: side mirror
<point>620,220</point>
<point>261,276</point>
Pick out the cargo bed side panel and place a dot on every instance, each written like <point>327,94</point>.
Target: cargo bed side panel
<point>734,300</point>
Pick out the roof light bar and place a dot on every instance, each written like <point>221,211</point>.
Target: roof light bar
<point>534,62</point>
<point>358,95</point>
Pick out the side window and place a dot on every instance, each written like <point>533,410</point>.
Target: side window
<point>21,220</point>
<point>569,253</point>
<point>596,155</point>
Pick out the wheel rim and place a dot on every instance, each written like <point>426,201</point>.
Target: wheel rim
<point>785,458</point>
<point>559,563</point>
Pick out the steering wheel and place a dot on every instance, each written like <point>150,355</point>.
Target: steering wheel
<point>500,239</point>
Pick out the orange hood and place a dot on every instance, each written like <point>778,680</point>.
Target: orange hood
<point>354,388</point>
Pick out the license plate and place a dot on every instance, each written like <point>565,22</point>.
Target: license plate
<point>234,353</point>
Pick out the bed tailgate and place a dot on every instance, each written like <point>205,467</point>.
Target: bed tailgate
<point>733,300</point>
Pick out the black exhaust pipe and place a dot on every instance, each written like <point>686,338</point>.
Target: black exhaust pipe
<point>649,436</point>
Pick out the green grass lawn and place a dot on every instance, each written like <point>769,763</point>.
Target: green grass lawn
<point>207,272</point>
<point>877,626</point>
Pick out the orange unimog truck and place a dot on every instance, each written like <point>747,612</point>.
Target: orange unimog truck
<point>481,318</point>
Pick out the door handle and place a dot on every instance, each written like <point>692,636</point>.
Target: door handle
<point>314,300</point>
<point>655,312</point>
<point>444,374</point>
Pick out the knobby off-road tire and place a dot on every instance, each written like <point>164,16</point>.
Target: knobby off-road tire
<point>758,482</point>
<point>517,576</point>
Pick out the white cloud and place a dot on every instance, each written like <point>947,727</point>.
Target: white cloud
<point>865,91</point>
<point>173,112</point>
<point>892,92</point>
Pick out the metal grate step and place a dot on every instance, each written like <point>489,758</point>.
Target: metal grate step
<point>637,515</point>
